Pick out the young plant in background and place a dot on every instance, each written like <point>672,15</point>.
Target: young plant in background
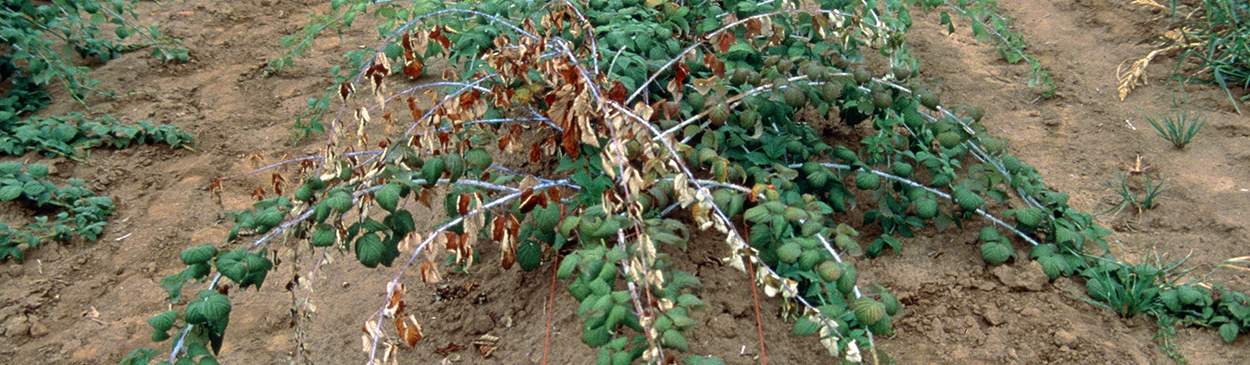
<point>1144,198</point>
<point>1179,127</point>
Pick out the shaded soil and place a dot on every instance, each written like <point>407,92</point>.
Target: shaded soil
<point>88,303</point>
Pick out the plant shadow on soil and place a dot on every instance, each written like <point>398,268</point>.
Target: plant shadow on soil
<point>88,303</point>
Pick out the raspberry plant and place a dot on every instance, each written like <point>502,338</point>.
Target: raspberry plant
<point>645,109</point>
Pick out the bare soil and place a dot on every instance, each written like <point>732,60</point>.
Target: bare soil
<point>87,303</point>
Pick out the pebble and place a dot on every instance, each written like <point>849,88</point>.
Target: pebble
<point>37,329</point>
<point>1030,277</point>
<point>992,315</point>
<point>1064,339</point>
<point>16,326</point>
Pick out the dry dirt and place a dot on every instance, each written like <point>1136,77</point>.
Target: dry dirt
<point>958,310</point>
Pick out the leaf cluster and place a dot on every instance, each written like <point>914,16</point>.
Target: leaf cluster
<point>69,136</point>
<point>76,213</point>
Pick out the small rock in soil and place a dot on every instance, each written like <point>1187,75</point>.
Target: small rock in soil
<point>1030,277</point>
<point>37,329</point>
<point>1064,339</point>
<point>17,326</point>
<point>992,315</point>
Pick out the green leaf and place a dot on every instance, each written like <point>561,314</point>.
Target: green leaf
<point>164,321</point>
<point>231,267</point>
<point>596,337</point>
<point>268,219</point>
<point>996,252</point>
<point>1229,331</point>
<point>323,237</point>
<point>946,20</point>
<point>123,32</point>
<point>757,214</point>
<point>216,307</point>
<point>388,196</point>
<point>530,255</point>
<point>33,189</point>
<point>340,201</point>
<point>173,285</point>
<point>401,222</point>
<point>369,250</point>
<point>673,339</point>
<point>804,327</point>
<point>38,171</point>
<point>196,255</point>
<point>690,301</point>
<point>10,192</point>
<point>567,265</point>
<point>10,168</point>
<point>64,133</point>
<point>1054,266</point>
<point>139,356</point>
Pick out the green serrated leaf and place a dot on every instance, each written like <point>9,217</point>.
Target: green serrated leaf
<point>173,285</point>
<point>323,237</point>
<point>596,337</point>
<point>164,321</point>
<point>197,255</point>
<point>216,306</point>
<point>138,357</point>
<point>10,192</point>
<point>674,339</point>
<point>388,196</point>
<point>567,265</point>
<point>1229,331</point>
<point>369,250</point>
<point>996,252</point>
<point>530,255</point>
<point>232,268</point>
<point>804,326</point>
<point>38,171</point>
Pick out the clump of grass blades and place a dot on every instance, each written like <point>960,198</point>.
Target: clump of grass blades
<point>1147,198</point>
<point>1180,128</point>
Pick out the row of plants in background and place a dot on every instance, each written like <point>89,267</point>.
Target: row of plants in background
<point>72,135</point>
<point>987,22</point>
<point>644,109</point>
<point>39,39</point>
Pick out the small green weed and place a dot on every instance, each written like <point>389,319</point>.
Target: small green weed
<point>1179,128</point>
<point>1145,198</point>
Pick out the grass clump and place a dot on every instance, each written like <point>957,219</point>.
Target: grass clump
<point>1179,127</point>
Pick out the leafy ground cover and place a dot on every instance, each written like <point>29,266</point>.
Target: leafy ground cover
<point>935,293</point>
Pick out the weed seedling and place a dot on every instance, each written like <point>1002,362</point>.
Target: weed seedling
<point>1179,129</point>
<point>1147,198</point>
